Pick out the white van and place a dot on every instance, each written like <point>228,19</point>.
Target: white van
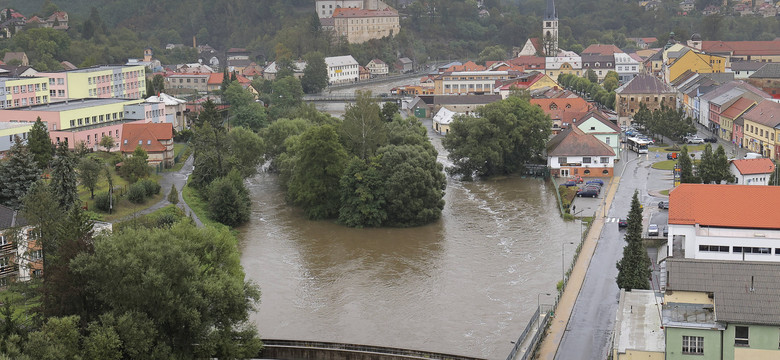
<point>752,155</point>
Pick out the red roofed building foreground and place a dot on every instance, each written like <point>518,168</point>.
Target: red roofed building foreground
<point>155,139</point>
<point>724,222</point>
<point>752,171</point>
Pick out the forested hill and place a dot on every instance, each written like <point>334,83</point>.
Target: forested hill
<point>431,29</point>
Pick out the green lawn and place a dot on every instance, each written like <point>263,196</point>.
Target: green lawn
<point>664,165</point>
<point>666,149</point>
<point>664,192</point>
<point>123,207</point>
<point>199,207</point>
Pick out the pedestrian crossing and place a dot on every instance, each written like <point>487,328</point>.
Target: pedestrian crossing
<point>607,220</point>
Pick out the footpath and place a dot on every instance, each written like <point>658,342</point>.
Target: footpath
<point>563,311</point>
<point>179,179</point>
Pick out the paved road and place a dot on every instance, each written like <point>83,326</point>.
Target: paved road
<point>178,178</point>
<point>589,329</point>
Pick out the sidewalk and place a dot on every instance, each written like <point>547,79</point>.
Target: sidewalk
<point>179,179</point>
<point>558,323</point>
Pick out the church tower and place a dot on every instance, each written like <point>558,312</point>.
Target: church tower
<point>550,30</point>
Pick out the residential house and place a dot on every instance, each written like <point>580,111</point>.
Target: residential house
<point>23,91</point>
<point>86,120</point>
<point>106,81</point>
<point>468,82</point>
<point>529,63</point>
<point>342,69</point>
<point>272,69</point>
<point>252,71</point>
<point>601,49</point>
<point>575,153</point>
<point>525,81</point>
<point>237,59</point>
<point>194,68</point>
<point>14,238</point>
<point>563,111</point>
<point>654,64</point>
<point>693,61</point>
<point>724,222</point>
<point>709,114</point>
<point>687,5</point>
<point>768,79</point>
<point>730,114</point>
<point>16,58</point>
<point>743,69</point>
<point>377,67</point>
<point>442,120</point>
<point>364,73</point>
<point>189,81</point>
<point>638,333</point>
<point>643,42</point>
<point>626,67</point>
<point>752,171</point>
<point>360,25</point>
<point>721,309</point>
<point>468,66</point>
<point>600,64</point>
<point>175,110</point>
<point>762,129</point>
<point>214,83</point>
<point>564,63</point>
<point>597,124</point>
<point>404,65</point>
<point>155,139</point>
<point>643,89</point>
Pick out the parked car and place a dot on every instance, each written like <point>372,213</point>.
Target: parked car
<point>588,191</point>
<point>663,205</point>
<point>711,139</point>
<point>752,155</point>
<point>652,230</point>
<point>622,223</point>
<point>666,230</point>
<point>671,156</point>
<point>595,181</point>
<point>570,182</point>
<point>695,140</point>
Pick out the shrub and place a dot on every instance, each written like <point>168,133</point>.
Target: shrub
<point>183,136</point>
<point>137,193</point>
<point>151,187</point>
<point>102,201</point>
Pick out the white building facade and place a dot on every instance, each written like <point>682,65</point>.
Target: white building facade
<point>342,69</point>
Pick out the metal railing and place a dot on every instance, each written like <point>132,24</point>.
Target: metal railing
<point>522,336</point>
<point>417,354</point>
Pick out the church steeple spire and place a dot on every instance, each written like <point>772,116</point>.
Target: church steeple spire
<point>550,30</point>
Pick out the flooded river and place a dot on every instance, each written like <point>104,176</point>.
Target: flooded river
<point>466,285</point>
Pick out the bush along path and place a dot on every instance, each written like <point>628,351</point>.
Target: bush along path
<point>177,179</point>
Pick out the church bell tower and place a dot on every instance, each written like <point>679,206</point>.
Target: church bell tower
<point>550,30</point>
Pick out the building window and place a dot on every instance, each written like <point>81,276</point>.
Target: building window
<point>714,248</point>
<point>693,345</point>
<point>562,160</point>
<point>741,336</point>
<point>604,160</point>
<point>586,159</point>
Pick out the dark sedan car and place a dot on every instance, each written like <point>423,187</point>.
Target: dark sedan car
<point>570,183</point>
<point>590,191</point>
<point>663,205</point>
<point>622,223</point>
<point>595,181</point>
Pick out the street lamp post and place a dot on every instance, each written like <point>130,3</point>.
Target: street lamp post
<point>539,308</point>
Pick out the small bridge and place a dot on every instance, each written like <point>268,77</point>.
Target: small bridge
<point>295,350</point>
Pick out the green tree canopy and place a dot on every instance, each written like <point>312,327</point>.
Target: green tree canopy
<point>63,178</point>
<point>686,167</point>
<point>18,173</point>
<point>315,75</point>
<point>363,130</point>
<point>204,310</point>
<point>229,201</point>
<point>90,170</point>
<point>499,140</point>
<point>135,167</point>
<point>40,144</point>
<point>634,267</point>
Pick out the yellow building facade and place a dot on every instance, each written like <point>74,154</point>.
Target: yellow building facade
<point>17,92</point>
<point>695,62</point>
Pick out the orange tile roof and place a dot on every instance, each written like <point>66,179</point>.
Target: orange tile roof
<point>528,62</point>
<point>216,78</point>
<point>468,66</point>
<point>737,108</point>
<point>754,166</point>
<point>743,47</point>
<point>149,135</point>
<point>734,206</point>
<point>577,104</point>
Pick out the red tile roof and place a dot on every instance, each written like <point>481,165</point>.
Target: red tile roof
<point>147,135</point>
<point>742,47</point>
<point>574,142</point>
<point>216,78</point>
<point>737,108</point>
<point>599,49</point>
<point>528,62</point>
<point>754,166</point>
<point>468,66</point>
<point>735,206</point>
<point>577,104</point>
